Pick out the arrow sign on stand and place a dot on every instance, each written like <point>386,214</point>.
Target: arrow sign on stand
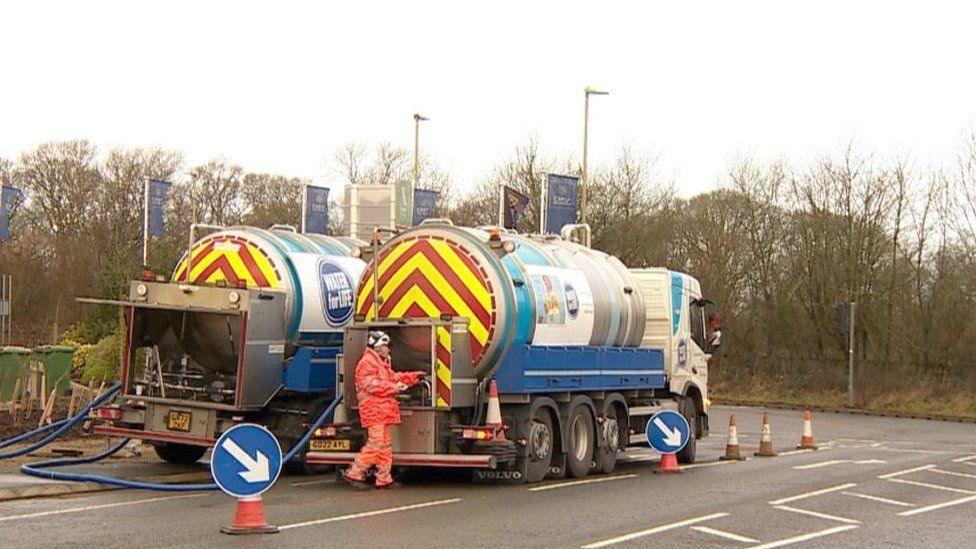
<point>256,470</point>
<point>668,432</point>
<point>671,438</point>
<point>246,460</point>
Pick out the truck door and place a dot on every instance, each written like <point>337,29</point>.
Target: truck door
<point>697,357</point>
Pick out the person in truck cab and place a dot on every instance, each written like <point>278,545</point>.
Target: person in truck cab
<point>377,386</point>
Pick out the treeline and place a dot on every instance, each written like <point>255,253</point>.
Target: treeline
<point>776,246</point>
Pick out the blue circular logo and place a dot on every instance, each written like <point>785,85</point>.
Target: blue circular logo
<point>337,293</point>
<point>572,300</point>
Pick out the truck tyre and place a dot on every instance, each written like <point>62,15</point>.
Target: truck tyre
<point>183,454</point>
<point>582,441</point>
<point>540,447</point>
<point>606,455</point>
<point>690,411</point>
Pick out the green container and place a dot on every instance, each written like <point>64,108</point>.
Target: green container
<point>14,362</point>
<point>57,366</point>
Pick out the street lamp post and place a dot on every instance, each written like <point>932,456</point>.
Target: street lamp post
<point>587,92</point>
<point>417,119</point>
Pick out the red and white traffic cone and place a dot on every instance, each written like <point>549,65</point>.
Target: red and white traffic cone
<point>493,418</point>
<point>732,443</point>
<point>806,439</point>
<point>249,518</point>
<point>766,442</point>
<point>668,465</point>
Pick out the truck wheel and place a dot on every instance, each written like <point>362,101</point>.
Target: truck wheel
<point>690,411</point>
<point>540,447</point>
<point>582,440</point>
<point>606,455</point>
<point>183,454</point>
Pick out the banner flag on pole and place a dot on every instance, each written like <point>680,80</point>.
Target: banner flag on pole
<point>424,204</point>
<point>403,202</point>
<point>561,198</point>
<point>158,191</point>
<point>10,197</point>
<point>515,204</point>
<point>316,209</point>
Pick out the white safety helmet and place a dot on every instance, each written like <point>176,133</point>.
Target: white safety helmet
<point>377,339</point>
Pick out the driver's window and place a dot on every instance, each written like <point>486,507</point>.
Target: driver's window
<point>697,323</point>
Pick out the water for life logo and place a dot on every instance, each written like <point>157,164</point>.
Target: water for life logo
<point>337,294</point>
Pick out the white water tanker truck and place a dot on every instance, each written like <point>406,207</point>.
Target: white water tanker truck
<point>583,350</point>
<point>247,329</point>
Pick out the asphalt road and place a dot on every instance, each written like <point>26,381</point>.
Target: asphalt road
<point>874,482</point>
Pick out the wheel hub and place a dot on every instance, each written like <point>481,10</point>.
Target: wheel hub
<point>581,437</point>
<point>540,440</point>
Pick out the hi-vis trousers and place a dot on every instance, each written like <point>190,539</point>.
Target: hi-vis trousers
<point>377,451</point>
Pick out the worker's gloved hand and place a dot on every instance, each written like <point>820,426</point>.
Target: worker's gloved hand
<point>409,378</point>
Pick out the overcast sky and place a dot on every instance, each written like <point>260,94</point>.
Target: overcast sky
<point>277,86</point>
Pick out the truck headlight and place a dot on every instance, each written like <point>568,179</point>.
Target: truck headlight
<point>234,297</point>
<point>142,290</point>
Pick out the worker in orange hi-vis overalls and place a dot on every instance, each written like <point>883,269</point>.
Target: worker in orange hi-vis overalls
<point>377,386</point>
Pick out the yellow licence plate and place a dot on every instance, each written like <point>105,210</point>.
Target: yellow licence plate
<point>329,445</point>
<point>178,421</point>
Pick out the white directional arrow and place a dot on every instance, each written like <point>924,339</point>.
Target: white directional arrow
<point>671,438</point>
<point>257,470</point>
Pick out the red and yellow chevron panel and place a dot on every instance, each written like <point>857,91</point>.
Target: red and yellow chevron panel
<point>427,276</point>
<point>443,370</point>
<point>232,259</point>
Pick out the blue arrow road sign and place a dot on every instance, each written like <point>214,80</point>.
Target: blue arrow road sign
<point>246,460</point>
<point>668,432</point>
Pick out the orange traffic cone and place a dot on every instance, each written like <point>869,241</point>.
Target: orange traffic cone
<point>249,518</point>
<point>732,444</point>
<point>806,439</point>
<point>667,465</point>
<point>494,416</point>
<point>766,442</point>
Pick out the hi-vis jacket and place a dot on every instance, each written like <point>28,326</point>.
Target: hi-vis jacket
<point>376,389</point>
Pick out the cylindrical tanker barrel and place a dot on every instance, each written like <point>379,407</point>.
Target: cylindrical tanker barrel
<point>317,274</point>
<point>514,290</point>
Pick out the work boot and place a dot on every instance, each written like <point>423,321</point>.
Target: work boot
<point>357,484</point>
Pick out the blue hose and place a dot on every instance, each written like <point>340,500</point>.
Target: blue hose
<point>38,469</point>
<point>63,426</point>
<point>31,434</point>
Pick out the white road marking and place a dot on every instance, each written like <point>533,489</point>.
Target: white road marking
<point>933,486</point>
<point>102,506</point>
<point>876,498</point>
<point>371,513</point>
<point>952,473</point>
<point>814,493</point>
<point>723,534</point>
<point>838,462</point>
<point>311,482</point>
<point>704,464</point>
<point>821,464</point>
<point>806,537</point>
<point>937,506</point>
<point>963,459</point>
<point>795,452</point>
<point>909,450</point>
<point>578,482</point>
<point>818,515</point>
<point>655,530</point>
<point>906,471</point>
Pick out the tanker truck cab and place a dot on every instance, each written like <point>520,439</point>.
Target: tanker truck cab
<point>676,323</point>
<point>546,358</point>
